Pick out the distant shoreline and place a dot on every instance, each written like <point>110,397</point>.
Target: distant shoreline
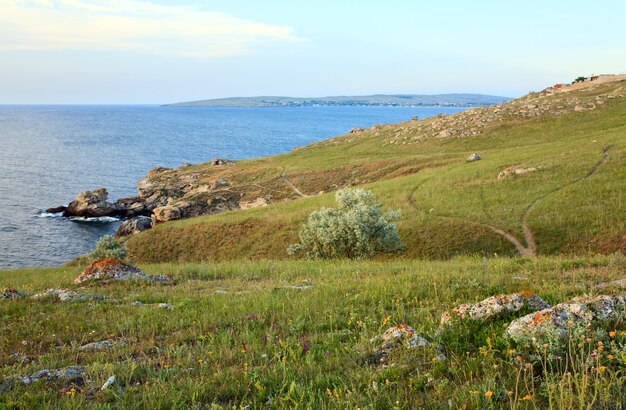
<point>378,100</point>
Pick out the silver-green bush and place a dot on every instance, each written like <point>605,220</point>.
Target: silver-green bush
<point>357,228</point>
<point>108,247</point>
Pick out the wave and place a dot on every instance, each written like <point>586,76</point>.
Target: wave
<point>101,219</point>
<point>50,215</point>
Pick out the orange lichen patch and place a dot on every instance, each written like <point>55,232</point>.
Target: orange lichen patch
<point>526,293</point>
<point>541,317</point>
<point>103,264</point>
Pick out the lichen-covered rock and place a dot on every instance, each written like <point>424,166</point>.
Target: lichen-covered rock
<point>166,306</point>
<point>10,294</point>
<point>109,269</point>
<point>398,335</point>
<point>66,295</point>
<point>495,306</point>
<point>550,325</point>
<point>69,374</point>
<point>473,157</point>
<point>94,346</point>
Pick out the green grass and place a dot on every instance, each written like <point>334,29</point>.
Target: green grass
<point>303,348</point>
<point>452,199</point>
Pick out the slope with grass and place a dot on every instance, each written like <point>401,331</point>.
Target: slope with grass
<point>573,203</point>
<point>288,334</point>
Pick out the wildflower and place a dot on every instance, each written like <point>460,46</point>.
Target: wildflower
<point>511,352</point>
<point>610,356</point>
<point>528,397</point>
<point>488,393</point>
<point>612,333</point>
<point>209,353</point>
<point>243,347</point>
<point>622,333</point>
<point>69,392</point>
<point>200,361</point>
<point>594,354</point>
<point>601,369</point>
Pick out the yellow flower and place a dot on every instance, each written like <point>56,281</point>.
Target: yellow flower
<point>622,333</point>
<point>528,397</point>
<point>488,393</point>
<point>601,369</point>
<point>610,356</point>
<point>200,360</point>
<point>69,392</point>
<point>612,334</point>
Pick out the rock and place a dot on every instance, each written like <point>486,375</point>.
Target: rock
<point>398,335</point>
<point>445,134</point>
<point>102,345</point>
<point>66,295</point>
<point>495,306</point>
<point>473,157</point>
<point>157,170</point>
<point>620,284</point>
<point>516,171</point>
<point>67,374</point>
<point>259,202</point>
<point>165,213</point>
<point>133,226</point>
<point>220,162</point>
<point>219,183</point>
<point>91,204</point>
<point>56,210</point>
<point>557,322</point>
<point>10,294</point>
<point>166,306</point>
<point>356,130</point>
<point>109,269</point>
<point>19,358</point>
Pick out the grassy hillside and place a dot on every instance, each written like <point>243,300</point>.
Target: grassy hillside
<point>575,204</point>
<point>288,334</point>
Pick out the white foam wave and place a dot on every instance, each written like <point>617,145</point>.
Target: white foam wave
<point>50,215</point>
<point>94,219</point>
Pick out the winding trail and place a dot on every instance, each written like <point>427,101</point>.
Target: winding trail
<point>530,249</point>
<point>290,185</point>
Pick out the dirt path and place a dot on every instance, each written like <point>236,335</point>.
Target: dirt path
<point>528,235</point>
<point>530,250</point>
<point>290,185</point>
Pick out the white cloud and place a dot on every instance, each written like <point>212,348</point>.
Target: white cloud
<point>132,25</point>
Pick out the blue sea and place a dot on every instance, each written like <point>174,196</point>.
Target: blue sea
<point>49,154</point>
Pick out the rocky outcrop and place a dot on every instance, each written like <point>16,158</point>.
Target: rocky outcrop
<point>551,324</point>
<point>91,204</point>
<point>196,204</point>
<point>67,374</point>
<point>109,269</point>
<point>495,306</point>
<point>133,226</point>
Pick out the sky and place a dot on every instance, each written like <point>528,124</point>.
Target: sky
<point>163,51</point>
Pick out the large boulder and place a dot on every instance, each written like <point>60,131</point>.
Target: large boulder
<point>165,213</point>
<point>133,226</point>
<point>91,204</point>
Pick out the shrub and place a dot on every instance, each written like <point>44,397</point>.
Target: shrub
<point>356,229</point>
<point>108,247</point>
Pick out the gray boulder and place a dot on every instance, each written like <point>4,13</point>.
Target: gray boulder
<point>133,226</point>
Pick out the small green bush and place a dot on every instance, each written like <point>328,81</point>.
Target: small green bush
<point>108,247</point>
<point>355,229</point>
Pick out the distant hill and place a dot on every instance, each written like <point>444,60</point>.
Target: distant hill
<point>395,100</point>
